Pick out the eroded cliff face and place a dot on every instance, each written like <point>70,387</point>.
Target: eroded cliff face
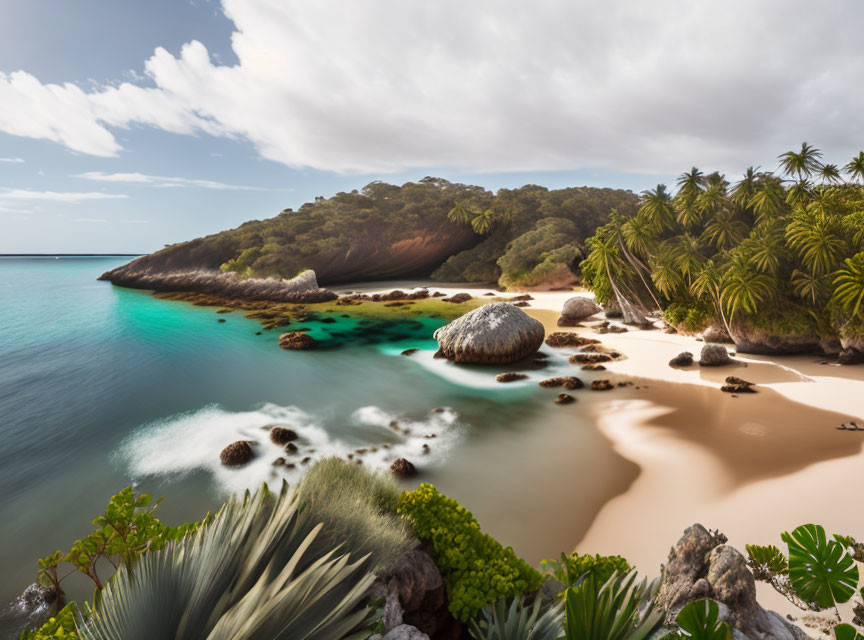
<point>388,254</point>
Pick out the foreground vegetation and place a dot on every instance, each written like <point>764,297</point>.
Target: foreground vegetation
<point>299,564</point>
<point>774,252</point>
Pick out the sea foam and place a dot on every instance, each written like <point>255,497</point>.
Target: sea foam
<point>190,442</point>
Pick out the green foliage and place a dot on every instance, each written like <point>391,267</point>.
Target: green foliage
<point>127,529</point>
<point>570,569</point>
<point>545,254</point>
<point>847,632</point>
<point>59,627</point>
<point>690,317</point>
<point>770,242</point>
<point>820,570</point>
<point>619,609</point>
<point>517,622</point>
<point>699,620</point>
<point>358,508</point>
<point>766,562</point>
<point>261,570</point>
<point>476,568</point>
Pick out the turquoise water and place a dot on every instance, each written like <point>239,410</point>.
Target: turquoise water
<point>103,387</point>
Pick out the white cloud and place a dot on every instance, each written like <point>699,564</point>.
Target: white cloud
<point>15,160</point>
<point>490,85</point>
<point>162,181</point>
<point>58,196</point>
<point>5,209</point>
<point>134,221</point>
<point>93,220</point>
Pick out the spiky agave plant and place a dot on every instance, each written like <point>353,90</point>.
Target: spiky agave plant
<point>260,571</point>
<point>518,621</point>
<point>619,609</point>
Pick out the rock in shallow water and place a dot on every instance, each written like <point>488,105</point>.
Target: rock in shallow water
<point>568,339</point>
<point>714,355</point>
<point>564,398</point>
<point>737,385</point>
<point>510,377</point>
<point>297,340</point>
<point>403,468</point>
<point>568,382</point>
<point>236,454</point>
<point>281,435</point>
<point>496,333</point>
<point>684,359</point>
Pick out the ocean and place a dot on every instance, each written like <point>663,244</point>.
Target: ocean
<point>103,387</point>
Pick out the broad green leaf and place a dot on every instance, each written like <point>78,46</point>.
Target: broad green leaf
<point>820,570</point>
<point>847,632</point>
<point>700,620</point>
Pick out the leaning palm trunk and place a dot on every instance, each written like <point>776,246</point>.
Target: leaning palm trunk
<point>259,572</point>
<point>640,269</point>
<point>632,309</point>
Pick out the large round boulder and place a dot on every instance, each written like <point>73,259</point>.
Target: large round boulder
<point>495,333</point>
<point>576,310</point>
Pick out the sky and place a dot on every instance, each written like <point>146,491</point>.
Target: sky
<point>129,125</point>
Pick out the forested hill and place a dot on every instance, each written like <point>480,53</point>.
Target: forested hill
<point>531,236</point>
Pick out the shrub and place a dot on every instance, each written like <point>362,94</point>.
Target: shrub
<point>689,317</point>
<point>518,621</point>
<point>60,627</point>
<point>569,569</point>
<point>358,508</point>
<point>476,568</point>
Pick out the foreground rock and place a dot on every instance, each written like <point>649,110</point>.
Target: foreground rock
<point>684,359</point>
<point>564,398</point>
<point>714,355</point>
<point>458,298</point>
<point>591,358</point>
<point>301,289</point>
<point>701,566</point>
<point>568,339</point>
<point>496,333</point>
<point>297,341</point>
<point>576,310</point>
<point>601,385</point>
<point>236,454</point>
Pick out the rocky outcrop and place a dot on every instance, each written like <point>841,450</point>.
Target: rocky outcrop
<point>750,339</point>
<point>236,454</point>
<point>684,359</point>
<point>301,289</point>
<point>415,595</point>
<point>458,298</point>
<point>717,334</point>
<point>576,310</point>
<point>714,355</point>
<point>701,565</point>
<point>850,355</point>
<point>496,333</point>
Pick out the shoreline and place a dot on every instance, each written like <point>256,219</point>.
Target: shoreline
<point>762,464</point>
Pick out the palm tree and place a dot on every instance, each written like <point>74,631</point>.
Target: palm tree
<point>816,238</point>
<point>482,221</point>
<point>746,187</point>
<point>830,173</point>
<point>686,255</point>
<point>639,236</point>
<point>724,231</point>
<point>764,250</point>
<point>802,164</point>
<point>461,212</point>
<point>856,167</point>
<point>707,283</point>
<point>665,273</point>
<point>657,208</point>
<point>769,201</point>
<point>849,283</point>
<point>799,193</point>
<point>808,286</point>
<point>745,289</point>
